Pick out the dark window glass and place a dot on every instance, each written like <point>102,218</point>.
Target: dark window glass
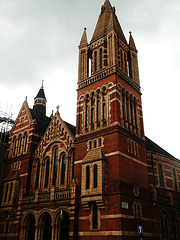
<point>174,178</point>
<point>10,191</point>
<point>100,58</point>
<point>98,110</point>
<point>63,169</point>
<point>92,115</point>
<point>37,175</point>
<point>95,216</point>
<point>104,111</point>
<point>7,185</point>
<point>95,176</point>
<point>161,177</point>
<point>55,166</point>
<point>95,61</point>
<point>87,177</point>
<point>47,174</point>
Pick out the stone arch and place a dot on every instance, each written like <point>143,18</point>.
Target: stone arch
<point>61,224</point>
<point>45,220</point>
<point>28,226</point>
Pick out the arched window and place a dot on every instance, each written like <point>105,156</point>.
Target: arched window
<point>100,59</point>
<point>92,115</point>
<point>73,165</point>
<point>10,191</point>
<point>137,210</point>
<point>174,178</point>
<point>6,191</point>
<point>95,176</point>
<point>104,111</point>
<point>87,177</point>
<point>95,61</point>
<point>125,62</point>
<point>98,110</point>
<point>14,145</point>
<point>161,177</point>
<point>37,175</point>
<point>94,216</point>
<point>20,143</point>
<point>164,226</point>
<point>25,141</point>
<point>47,173</point>
<point>31,228</point>
<point>46,227</point>
<point>55,166</point>
<point>63,169</point>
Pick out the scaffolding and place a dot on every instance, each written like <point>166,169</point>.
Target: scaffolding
<point>6,123</point>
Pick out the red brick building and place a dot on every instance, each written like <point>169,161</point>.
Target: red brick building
<point>103,179</point>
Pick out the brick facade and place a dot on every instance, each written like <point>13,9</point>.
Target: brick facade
<point>102,179</point>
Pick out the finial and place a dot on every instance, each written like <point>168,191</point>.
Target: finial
<point>85,29</point>
<point>26,98</point>
<point>130,32</point>
<point>57,108</point>
<point>42,84</point>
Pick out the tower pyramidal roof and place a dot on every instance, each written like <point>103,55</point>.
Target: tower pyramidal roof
<point>41,93</point>
<point>107,21</point>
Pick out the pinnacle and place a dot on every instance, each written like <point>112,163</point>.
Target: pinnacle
<point>131,42</point>
<point>84,41</point>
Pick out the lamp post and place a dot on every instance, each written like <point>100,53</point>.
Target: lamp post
<point>7,226</point>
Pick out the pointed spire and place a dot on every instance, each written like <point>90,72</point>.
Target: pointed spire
<point>131,42</point>
<point>107,20</point>
<point>84,41</point>
<point>41,93</point>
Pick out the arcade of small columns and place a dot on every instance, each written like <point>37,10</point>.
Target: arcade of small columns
<point>33,224</point>
<point>96,108</point>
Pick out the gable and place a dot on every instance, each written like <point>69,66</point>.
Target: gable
<point>58,132</point>
<point>23,119</point>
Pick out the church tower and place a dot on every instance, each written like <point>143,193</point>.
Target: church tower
<point>110,142</point>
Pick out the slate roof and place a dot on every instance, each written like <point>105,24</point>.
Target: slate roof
<point>152,146</point>
<point>41,126</point>
<point>41,94</point>
<point>71,127</point>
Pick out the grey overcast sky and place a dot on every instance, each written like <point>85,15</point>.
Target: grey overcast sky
<point>39,40</point>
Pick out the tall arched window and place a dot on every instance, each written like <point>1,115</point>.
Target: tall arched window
<point>92,115</point>
<point>25,141</point>
<point>55,166</point>
<point>14,145</point>
<point>161,176</point>
<point>87,177</point>
<point>10,191</point>
<point>6,191</point>
<point>94,216</point>
<point>164,226</point>
<point>47,173</point>
<point>174,178</point>
<point>98,110</point>
<point>95,176</point>
<point>20,143</point>
<point>95,61</point>
<point>100,59</point>
<point>37,175</point>
<point>104,112</point>
<point>63,169</point>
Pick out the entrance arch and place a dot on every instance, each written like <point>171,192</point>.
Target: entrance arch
<point>28,227</point>
<point>46,228</point>
<point>63,225</point>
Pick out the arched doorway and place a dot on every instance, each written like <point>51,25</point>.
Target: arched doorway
<point>28,227</point>
<point>46,230</point>
<point>63,225</point>
<point>31,228</point>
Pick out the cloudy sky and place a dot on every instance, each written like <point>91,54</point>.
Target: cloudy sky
<point>39,40</point>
